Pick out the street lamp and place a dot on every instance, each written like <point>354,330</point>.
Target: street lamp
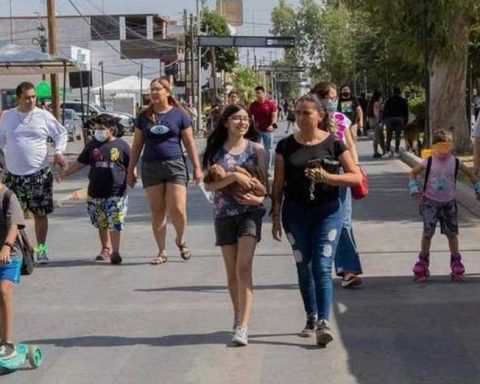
<point>102,96</point>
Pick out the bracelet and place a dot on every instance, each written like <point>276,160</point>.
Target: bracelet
<point>10,245</point>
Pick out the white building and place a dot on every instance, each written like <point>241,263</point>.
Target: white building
<point>118,43</point>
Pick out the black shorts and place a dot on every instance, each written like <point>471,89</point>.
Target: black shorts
<point>34,192</point>
<point>229,229</point>
<point>173,171</point>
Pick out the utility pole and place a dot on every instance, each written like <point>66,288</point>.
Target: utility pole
<point>192,59</point>
<point>52,49</point>
<point>199,69</point>
<point>102,96</point>
<point>186,56</point>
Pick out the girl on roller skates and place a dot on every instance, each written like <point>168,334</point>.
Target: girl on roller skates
<point>437,202</point>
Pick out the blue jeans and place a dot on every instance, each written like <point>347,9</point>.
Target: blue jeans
<point>347,258</point>
<point>267,141</point>
<point>313,233</point>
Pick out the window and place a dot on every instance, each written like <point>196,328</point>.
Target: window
<point>135,26</point>
<point>104,28</point>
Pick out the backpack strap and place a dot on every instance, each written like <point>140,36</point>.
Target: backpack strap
<point>427,172</point>
<point>457,165</point>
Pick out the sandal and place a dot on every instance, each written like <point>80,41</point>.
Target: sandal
<point>104,254</point>
<point>185,253</point>
<point>160,259</point>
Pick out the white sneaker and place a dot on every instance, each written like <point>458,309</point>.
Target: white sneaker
<point>240,338</point>
<point>388,155</point>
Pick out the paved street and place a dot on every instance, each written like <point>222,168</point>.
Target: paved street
<point>135,323</point>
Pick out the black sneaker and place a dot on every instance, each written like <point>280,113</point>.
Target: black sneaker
<point>324,333</point>
<point>309,329</point>
<point>7,351</point>
<point>377,155</point>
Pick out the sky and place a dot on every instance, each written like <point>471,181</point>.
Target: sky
<point>256,13</point>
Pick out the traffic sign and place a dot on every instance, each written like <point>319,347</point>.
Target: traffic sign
<point>246,41</point>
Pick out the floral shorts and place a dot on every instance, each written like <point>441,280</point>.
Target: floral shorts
<point>108,213</point>
<point>434,212</point>
<point>34,192</point>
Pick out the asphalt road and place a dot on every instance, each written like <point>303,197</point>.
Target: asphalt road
<point>135,323</point>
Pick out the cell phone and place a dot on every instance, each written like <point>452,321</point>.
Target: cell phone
<point>330,165</point>
<point>315,163</point>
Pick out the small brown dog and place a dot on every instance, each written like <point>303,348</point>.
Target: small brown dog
<point>411,135</point>
<point>216,173</point>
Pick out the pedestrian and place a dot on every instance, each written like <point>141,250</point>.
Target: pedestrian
<point>24,134</point>
<point>233,98</point>
<point>107,201</point>
<point>395,115</point>
<point>305,200</point>
<point>476,106</point>
<point>438,202</point>
<point>350,107</point>
<point>10,265</point>
<point>238,218</point>
<point>265,113</point>
<point>476,147</point>
<point>162,129</point>
<point>374,113</point>
<point>290,118</point>
<point>347,258</point>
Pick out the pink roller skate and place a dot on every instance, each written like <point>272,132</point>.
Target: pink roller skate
<point>420,269</point>
<point>458,270</point>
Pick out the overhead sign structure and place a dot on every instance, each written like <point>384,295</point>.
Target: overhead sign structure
<point>280,68</point>
<point>81,57</point>
<point>247,41</point>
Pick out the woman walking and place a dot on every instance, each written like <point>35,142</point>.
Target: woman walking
<point>161,130</point>
<point>238,216</point>
<point>347,259</point>
<point>306,201</point>
<point>375,122</point>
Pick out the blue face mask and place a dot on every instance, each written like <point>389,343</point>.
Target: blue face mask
<point>331,106</point>
<point>101,135</point>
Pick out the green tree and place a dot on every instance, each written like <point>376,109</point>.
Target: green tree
<point>244,81</point>
<point>214,24</point>
<point>450,25</point>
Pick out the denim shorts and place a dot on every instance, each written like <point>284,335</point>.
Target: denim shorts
<point>108,213</point>
<point>229,229</point>
<point>11,271</point>
<point>173,171</point>
<point>434,211</point>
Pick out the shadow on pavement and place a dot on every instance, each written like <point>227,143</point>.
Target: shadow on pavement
<point>395,331</point>
<point>214,288</point>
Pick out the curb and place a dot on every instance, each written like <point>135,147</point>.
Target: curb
<point>465,194</point>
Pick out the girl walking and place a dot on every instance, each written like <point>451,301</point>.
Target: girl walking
<point>238,218</point>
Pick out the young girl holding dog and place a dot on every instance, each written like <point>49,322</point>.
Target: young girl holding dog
<point>238,218</point>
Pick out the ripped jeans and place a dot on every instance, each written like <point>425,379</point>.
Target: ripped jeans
<point>313,233</point>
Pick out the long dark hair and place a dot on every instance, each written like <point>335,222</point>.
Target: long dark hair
<point>219,134</point>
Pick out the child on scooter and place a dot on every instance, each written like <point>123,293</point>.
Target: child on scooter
<point>438,203</point>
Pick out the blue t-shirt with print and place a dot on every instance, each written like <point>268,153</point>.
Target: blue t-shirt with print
<point>163,139</point>
<point>108,167</point>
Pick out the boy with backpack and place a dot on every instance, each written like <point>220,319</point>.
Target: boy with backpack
<point>438,203</point>
<point>10,265</point>
<point>108,158</point>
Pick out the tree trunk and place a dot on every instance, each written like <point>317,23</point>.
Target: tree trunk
<point>448,80</point>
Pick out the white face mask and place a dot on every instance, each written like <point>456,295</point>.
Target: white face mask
<point>101,135</point>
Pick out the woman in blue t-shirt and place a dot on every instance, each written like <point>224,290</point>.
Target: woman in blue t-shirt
<point>160,131</point>
<point>238,216</point>
<point>305,200</point>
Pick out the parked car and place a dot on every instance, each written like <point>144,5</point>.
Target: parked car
<point>126,119</point>
<point>73,124</point>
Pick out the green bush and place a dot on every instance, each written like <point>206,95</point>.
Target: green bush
<point>417,107</point>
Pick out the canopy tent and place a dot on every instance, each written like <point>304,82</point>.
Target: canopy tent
<point>18,60</point>
<point>125,85</point>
